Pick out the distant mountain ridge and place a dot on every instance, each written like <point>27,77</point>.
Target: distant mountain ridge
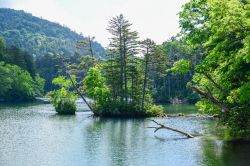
<point>39,36</point>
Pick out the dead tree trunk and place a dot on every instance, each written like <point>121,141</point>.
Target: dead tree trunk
<point>78,92</point>
<point>161,126</point>
<point>73,84</point>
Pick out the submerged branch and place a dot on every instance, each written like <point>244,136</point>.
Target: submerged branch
<point>161,126</point>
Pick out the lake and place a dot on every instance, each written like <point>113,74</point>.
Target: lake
<point>32,134</point>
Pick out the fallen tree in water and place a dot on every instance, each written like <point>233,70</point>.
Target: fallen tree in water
<point>161,126</point>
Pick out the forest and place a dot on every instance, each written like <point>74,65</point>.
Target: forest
<point>65,99</point>
<point>207,63</point>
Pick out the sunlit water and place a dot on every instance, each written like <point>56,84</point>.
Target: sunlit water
<point>34,135</point>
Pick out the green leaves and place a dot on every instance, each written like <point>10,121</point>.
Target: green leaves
<point>180,67</point>
<point>224,74</point>
<point>94,86</point>
<point>17,84</point>
<point>63,99</point>
<point>62,82</point>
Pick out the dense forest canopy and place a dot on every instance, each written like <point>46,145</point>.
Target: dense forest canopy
<point>44,40</point>
<point>39,36</point>
<point>18,76</point>
<point>220,31</point>
<point>207,63</point>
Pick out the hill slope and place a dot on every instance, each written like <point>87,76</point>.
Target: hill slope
<point>39,36</point>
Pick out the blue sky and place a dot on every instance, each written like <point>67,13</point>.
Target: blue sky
<point>155,19</point>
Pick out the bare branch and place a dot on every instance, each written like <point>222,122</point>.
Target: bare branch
<point>161,126</point>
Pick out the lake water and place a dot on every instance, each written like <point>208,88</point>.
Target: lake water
<point>34,135</point>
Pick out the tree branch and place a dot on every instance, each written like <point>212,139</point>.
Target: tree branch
<point>215,84</point>
<point>211,99</point>
<point>161,126</point>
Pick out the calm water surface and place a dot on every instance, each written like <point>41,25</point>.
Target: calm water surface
<point>34,135</point>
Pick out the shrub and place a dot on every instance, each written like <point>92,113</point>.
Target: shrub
<point>155,110</point>
<point>63,99</point>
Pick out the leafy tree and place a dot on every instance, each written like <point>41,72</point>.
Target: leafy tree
<point>222,78</point>
<point>17,84</point>
<point>5,78</point>
<point>2,50</point>
<point>117,85</point>
<point>63,99</point>
<point>79,65</point>
<point>49,67</point>
<point>94,86</point>
<point>18,78</point>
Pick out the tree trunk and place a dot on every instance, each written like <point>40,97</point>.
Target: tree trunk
<point>77,91</point>
<point>74,86</point>
<point>145,78</point>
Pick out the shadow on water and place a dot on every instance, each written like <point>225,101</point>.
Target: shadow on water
<point>225,153</point>
<point>5,105</point>
<point>112,141</point>
<point>168,139</point>
<point>36,135</point>
<point>180,108</point>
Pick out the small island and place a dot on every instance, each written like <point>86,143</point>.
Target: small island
<point>151,88</point>
<point>119,84</point>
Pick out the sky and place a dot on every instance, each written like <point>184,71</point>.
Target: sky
<point>154,19</point>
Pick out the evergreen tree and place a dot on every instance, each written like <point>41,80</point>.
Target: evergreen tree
<point>148,47</point>
<point>123,47</point>
<point>17,57</point>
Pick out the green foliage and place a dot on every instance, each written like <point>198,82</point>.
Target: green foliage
<point>62,82</point>
<point>22,59</point>
<point>17,84</point>
<point>221,29</point>
<point>155,110</point>
<point>18,77</point>
<point>39,36</point>
<point>207,108</point>
<point>119,85</point>
<point>63,99</point>
<point>94,86</point>
<point>43,40</point>
<point>5,78</point>
<point>167,84</point>
<point>181,66</point>
<point>39,85</point>
<point>49,67</point>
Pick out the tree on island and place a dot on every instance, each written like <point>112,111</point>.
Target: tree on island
<point>118,84</point>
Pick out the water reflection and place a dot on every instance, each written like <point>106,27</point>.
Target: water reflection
<point>36,135</point>
<point>112,141</point>
<point>225,153</point>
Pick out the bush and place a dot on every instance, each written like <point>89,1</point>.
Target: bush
<point>63,99</point>
<point>155,110</point>
<point>17,84</point>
